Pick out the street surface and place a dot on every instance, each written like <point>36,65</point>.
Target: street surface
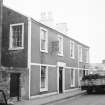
<point>92,99</point>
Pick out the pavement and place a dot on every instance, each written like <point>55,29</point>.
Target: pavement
<point>53,98</point>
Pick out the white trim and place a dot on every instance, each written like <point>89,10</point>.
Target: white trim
<point>63,78</point>
<point>38,64</point>
<point>62,46</point>
<point>46,81</point>
<point>29,52</point>
<point>11,35</point>
<point>43,95</point>
<point>58,79</point>
<point>73,49</point>
<point>71,67</point>
<point>72,89</point>
<point>46,49</point>
<point>61,64</point>
<point>78,62</point>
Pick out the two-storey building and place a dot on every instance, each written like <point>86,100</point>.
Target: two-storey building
<point>39,60</point>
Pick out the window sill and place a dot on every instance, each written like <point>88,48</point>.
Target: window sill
<point>44,51</point>
<point>19,48</point>
<point>80,61</point>
<point>60,54</point>
<point>72,86</point>
<point>43,89</point>
<point>72,57</point>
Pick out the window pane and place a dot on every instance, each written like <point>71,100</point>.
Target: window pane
<point>60,39</point>
<point>43,39</point>
<point>43,76</point>
<point>43,45</point>
<point>17,36</point>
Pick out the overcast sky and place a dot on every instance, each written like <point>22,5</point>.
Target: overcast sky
<point>85,18</point>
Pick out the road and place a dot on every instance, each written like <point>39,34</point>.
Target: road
<point>92,99</point>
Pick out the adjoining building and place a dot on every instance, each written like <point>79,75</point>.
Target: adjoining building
<point>38,60</point>
<point>97,67</point>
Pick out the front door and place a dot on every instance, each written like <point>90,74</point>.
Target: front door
<point>15,85</point>
<point>60,80</point>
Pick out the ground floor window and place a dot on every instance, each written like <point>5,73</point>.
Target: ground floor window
<point>44,78</point>
<point>72,77</point>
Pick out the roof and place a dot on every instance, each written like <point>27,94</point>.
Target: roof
<point>47,26</point>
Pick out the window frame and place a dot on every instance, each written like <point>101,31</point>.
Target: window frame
<point>73,53</point>
<point>11,35</point>
<point>62,47</point>
<point>46,43</point>
<point>87,55</point>
<point>46,79</point>
<point>72,85</point>
<point>80,55</point>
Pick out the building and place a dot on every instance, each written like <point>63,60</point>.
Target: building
<point>97,67</point>
<point>39,60</point>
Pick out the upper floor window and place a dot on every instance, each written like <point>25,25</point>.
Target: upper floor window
<point>72,49</point>
<point>16,36</point>
<point>43,40</point>
<point>87,55</point>
<point>60,40</point>
<point>44,78</point>
<point>80,53</point>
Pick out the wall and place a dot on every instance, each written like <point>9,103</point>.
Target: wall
<point>13,58</point>
<point>51,58</point>
<point>0,28</point>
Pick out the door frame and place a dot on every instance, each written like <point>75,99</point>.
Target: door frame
<point>61,64</point>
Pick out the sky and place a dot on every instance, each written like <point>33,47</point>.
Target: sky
<point>85,19</point>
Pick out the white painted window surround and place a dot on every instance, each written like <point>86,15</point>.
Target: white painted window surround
<point>72,49</point>
<point>43,40</point>
<point>43,78</point>
<point>80,53</point>
<point>60,40</point>
<point>16,37</point>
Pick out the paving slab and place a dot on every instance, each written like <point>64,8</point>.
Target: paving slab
<point>52,98</point>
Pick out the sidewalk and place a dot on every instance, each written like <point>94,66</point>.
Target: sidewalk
<point>52,98</point>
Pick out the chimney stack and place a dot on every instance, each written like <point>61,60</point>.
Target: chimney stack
<point>62,27</point>
<point>47,19</point>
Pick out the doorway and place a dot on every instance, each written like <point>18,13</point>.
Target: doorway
<point>60,79</point>
<point>15,85</point>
